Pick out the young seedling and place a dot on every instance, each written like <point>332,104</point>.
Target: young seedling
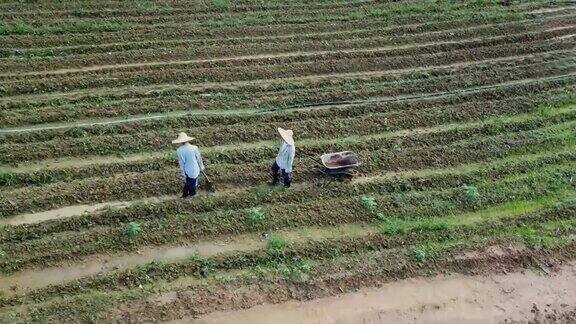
<point>220,4</point>
<point>296,270</point>
<point>418,254</point>
<point>76,132</point>
<point>205,266</point>
<point>392,226</point>
<point>394,146</point>
<point>432,224</point>
<point>132,229</point>
<point>369,203</point>
<point>470,192</point>
<point>275,242</point>
<point>255,214</point>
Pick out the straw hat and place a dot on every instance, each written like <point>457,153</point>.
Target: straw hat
<point>286,135</point>
<point>182,138</point>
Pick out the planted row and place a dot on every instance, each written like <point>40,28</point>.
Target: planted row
<point>260,151</point>
<point>317,128</point>
<point>110,9</point>
<point>295,280</point>
<point>69,57</point>
<point>310,280</point>
<point>281,86</point>
<point>399,23</point>
<point>354,33</point>
<point>543,181</point>
<point>324,249</point>
<point>286,95</point>
<point>287,100</point>
<point>153,183</point>
<point>302,193</point>
<point>299,65</point>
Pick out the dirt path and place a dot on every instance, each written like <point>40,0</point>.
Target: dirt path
<point>77,210</point>
<point>64,212</point>
<point>520,296</point>
<point>261,56</point>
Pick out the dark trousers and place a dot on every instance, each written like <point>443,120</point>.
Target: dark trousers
<point>189,187</point>
<point>276,171</point>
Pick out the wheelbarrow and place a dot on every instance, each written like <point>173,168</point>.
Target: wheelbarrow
<point>339,163</point>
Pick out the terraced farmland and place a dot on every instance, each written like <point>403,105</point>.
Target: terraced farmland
<point>463,114</point>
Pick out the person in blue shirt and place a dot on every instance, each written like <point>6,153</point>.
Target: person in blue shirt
<point>283,162</point>
<point>190,162</point>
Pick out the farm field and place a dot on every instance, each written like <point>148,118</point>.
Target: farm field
<point>463,114</point>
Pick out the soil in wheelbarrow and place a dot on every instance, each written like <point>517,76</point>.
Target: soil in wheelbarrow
<point>341,161</point>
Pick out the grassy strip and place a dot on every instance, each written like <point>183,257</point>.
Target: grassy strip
<point>71,245</point>
<point>155,182</point>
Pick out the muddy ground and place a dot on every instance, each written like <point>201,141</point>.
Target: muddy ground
<point>520,297</point>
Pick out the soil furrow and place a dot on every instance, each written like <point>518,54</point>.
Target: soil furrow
<point>268,57</point>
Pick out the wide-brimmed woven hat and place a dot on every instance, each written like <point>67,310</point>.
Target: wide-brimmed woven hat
<point>182,138</point>
<point>287,135</point>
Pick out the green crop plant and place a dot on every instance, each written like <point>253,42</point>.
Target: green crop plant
<point>255,214</point>
<point>432,224</point>
<point>275,242</point>
<point>295,271</point>
<point>76,132</point>
<point>394,146</point>
<point>538,239</point>
<point>16,27</point>
<point>205,266</point>
<point>392,226</point>
<point>132,229</point>
<point>369,203</point>
<point>401,185</point>
<point>418,254</point>
<point>220,4</point>
<point>470,192</point>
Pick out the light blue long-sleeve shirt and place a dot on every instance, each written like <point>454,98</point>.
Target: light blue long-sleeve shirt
<point>190,160</point>
<point>285,156</point>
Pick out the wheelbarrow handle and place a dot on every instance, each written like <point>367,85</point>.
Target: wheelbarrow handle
<point>314,158</point>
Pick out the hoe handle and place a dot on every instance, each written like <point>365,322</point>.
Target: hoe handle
<point>204,174</point>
